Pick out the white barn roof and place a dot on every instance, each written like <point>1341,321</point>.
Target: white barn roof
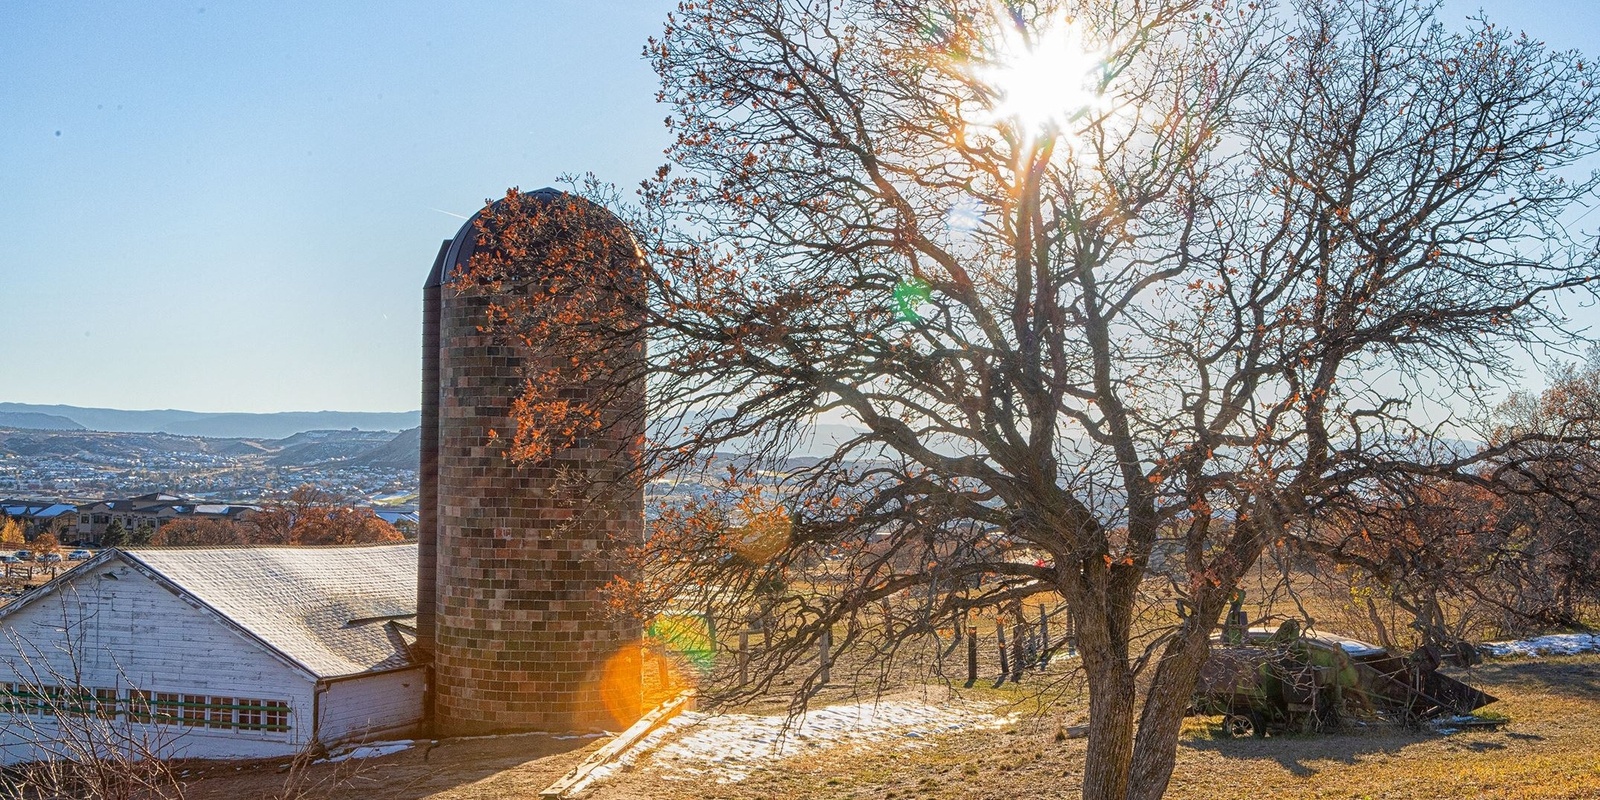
<point>331,609</point>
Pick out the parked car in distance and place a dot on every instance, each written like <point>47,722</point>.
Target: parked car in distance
<point>79,555</point>
<point>24,555</point>
<point>50,558</point>
<point>7,558</point>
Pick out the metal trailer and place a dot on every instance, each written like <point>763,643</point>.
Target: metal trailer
<point>1289,680</point>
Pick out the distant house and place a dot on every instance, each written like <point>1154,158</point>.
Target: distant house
<point>404,521</point>
<point>154,509</point>
<point>221,652</point>
<point>38,516</point>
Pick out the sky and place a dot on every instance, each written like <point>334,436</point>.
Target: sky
<point>225,206</point>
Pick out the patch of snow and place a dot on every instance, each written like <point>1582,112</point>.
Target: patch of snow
<point>369,751</point>
<point>727,748</point>
<point>1561,644</point>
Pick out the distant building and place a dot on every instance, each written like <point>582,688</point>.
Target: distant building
<point>38,516</point>
<point>222,652</point>
<point>154,509</point>
<point>403,521</point>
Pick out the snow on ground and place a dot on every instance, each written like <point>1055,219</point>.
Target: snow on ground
<point>727,748</point>
<point>1561,644</point>
<point>370,750</point>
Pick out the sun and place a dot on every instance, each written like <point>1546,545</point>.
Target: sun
<point>1041,81</point>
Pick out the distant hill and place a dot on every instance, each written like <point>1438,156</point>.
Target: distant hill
<point>321,447</point>
<point>33,420</point>
<point>309,448</point>
<point>401,452</point>
<point>281,425</point>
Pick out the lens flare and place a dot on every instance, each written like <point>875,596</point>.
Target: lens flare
<point>1041,81</point>
<point>686,636</point>
<point>909,297</point>
<point>765,529</point>
<point>964,216</point>
<point>621,686</point>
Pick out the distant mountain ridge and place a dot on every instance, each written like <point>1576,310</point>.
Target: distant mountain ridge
<point>36,421</point>
<point>278,425</point>
<point>310,448</point>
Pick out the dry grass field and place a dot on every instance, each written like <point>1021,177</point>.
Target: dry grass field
<point>1550,750</point>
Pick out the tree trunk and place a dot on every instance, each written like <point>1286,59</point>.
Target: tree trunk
<point>1110,751</point>
<point>1102,633</point>
<point>1155,750</point>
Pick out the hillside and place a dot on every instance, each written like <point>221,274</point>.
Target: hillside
<point>79,463</point>
<point>279,425</point>
<point>37,421</point>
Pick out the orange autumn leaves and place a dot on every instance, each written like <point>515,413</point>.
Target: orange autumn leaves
<point>561,275</point>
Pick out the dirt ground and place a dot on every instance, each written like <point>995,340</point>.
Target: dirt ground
<point>1551,749</point>
<point>486,768</point>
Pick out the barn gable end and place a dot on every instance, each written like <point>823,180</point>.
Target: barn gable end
<point>216,652</point>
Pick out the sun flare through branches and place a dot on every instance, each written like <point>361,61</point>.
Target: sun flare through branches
<point>1040,78</point>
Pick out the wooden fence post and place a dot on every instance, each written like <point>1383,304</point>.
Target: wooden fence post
<point>1019,638</point>
<point>1044,638</point>
<point>972,656</point>
<point>1005,662</point>
<point>744,657</point>
<point>825,643</point>
<point>1072,633</point>
<point>711,627</point>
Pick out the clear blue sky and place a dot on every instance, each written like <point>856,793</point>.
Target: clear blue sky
<point>229,206</point>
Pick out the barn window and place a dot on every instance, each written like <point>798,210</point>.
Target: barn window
<point>31,699</point>
<point>250,714</point>
<point>49,700</point>
<point>139,705</point>
<point>194,709</point>
<point>169,707</point>
<point>275,716</point>
<point>16,698</point>
<point>105,703</point>
<point>220,712</point>
<point>76,701</point>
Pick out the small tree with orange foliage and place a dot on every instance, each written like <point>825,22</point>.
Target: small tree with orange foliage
<point>44,543</point>
<point>310,516</point>
<point>11,533</point>
<point>200,532</point>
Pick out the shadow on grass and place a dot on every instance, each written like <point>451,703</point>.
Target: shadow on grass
<point>1296,753</point>
<point>1559,676</point>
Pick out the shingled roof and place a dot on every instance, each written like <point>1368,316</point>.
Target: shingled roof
<point>327,608</point>
<point>334,611</point>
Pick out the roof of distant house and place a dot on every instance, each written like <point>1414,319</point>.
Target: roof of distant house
<point>332,611</point>
<point>36,509</point>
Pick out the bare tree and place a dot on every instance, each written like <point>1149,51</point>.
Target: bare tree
<point>1232,273</point>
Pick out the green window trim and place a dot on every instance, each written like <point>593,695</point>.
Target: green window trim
<point>148,707</point>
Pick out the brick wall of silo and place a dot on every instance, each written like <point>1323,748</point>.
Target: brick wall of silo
<point>428,474</point>
<point>522,640</point>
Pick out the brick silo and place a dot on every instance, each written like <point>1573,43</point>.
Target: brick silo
<point>519,557</point>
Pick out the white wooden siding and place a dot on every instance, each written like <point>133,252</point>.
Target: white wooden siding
<point>385,705</point>
<point>127,630</point>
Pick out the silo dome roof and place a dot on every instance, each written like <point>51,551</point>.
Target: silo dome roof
<point>458,253</point>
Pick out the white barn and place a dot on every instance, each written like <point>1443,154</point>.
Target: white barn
<point>222,652</point>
